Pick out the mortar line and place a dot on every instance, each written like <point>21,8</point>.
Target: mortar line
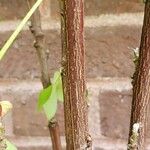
<point>102,83</point>
<point>110,20</point>
<point>101,142</point>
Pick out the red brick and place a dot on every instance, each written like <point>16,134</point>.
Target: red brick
<point>107,55</point>
<point>17,8</point>
<point>115,109</point>
<point>98,7</point>
<point>115,113</point>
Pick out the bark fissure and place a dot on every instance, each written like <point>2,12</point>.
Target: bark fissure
<point>141,84</point>
<point>75,105</point>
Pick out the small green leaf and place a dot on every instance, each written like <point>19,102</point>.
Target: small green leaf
<point>56,77</point>
<point>48,97</point>
<point>44,96</point>
<point>50,107</point>
<point>5,107</point>
<point>57,82</point>
<point>10,146</point>
<point>60,95</point>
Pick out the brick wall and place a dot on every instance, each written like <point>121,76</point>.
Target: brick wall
<point>94,7</point>
<point>112,28</point>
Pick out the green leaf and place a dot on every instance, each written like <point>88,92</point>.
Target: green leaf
<point>60,94</point>
<point>57,82</point>
<point>44,96</point>
<point>48,97</point>
<point>50,107</point>
<point>10,146</point>
<point>6,106</point>
<point>56,77</point>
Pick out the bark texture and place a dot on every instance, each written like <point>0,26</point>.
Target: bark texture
<point>141,86</point>
<point>42,52</point>
<point>75,104</point>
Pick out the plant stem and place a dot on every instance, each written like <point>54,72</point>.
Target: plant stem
<point>141,86</point>
<point>41,49</point>
<point>54,128</point>
<point>73,73</point>
<point>18,29</point>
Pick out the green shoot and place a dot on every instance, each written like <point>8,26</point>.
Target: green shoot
<point>18,29</point>
<point>49,96</point>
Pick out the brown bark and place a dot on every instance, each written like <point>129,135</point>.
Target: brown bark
<point>54,133</point>
<point>41,49</point>
<point>141,85</point>
<point>75,104</point>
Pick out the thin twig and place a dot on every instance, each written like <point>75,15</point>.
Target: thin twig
<point>41,49</point>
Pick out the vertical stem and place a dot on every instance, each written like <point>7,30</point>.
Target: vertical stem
<point>41,49</point>
<point>54,133</point>
<point>141,86</point>
<point>75,104</point>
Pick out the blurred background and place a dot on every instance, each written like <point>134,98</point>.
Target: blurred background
<point>112,31</point>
